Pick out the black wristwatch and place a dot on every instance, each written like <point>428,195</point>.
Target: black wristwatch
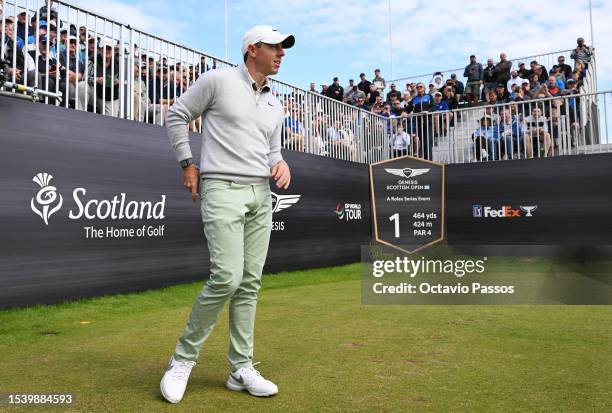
<point>186,162</point>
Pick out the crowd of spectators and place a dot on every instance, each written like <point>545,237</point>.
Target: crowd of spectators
<point>491,84</point>
<point>84,67</point>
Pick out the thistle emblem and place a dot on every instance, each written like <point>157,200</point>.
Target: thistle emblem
<point>45,197</point>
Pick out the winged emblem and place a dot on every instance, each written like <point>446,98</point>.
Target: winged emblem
<point>280,202</point>
<point>407,172</point>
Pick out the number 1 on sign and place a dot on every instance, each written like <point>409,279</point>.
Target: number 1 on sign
<point>395,217</point>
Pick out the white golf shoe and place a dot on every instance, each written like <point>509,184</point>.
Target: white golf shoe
<point>174,382</point>
<point>249,379</point>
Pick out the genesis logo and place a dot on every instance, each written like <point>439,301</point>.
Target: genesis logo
<point>281,202</point>
<point>407,172</point>
<point>45,197</point>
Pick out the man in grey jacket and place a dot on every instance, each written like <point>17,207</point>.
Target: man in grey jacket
<point>241,130</point>
<point>474,73</point>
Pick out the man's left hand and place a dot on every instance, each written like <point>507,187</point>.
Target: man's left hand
<point>281,174</point>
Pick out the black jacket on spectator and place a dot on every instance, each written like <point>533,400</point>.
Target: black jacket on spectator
<point>502,71</point>
<point>8,54</point>
<point>335,91</point>
<point>364,86</point>
<point>489,74</point>
<point>523,73</point>
<point>108,87</point>
<point>459,88</point>
<point>566,69</point>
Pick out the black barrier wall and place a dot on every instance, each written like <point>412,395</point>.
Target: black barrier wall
<point>548,201</point>
<point>93,205</point>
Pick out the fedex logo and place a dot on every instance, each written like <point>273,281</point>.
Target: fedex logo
<point>506,211</point>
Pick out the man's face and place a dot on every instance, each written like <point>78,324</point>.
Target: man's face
<point>413,87</point>
<point>536,112</point>
<point>552,81</point>
<point>473,59</point>
<point>360,101</point>
<point>392,86</point>
<point>506,116</point>
<point>500,90</point>
<point>502,57</point>
<point>437,98</point>
<point>489,62</point>
<point>420,89</point>
<point>514,74</point>
<point>386,108</point>
<point>21,18</point>
<point>525,87</point>
<point>538,69</point>
<point>561,60</point>
<point>372,88</point>
<point>73,46</point>
<point>351,82</point>
<point>268,57</point>
<point>312,86</point>
<point>8,28</point>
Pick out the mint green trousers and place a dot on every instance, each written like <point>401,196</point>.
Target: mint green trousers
<point>237,223</point>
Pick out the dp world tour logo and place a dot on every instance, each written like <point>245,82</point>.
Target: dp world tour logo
<point>339,211</point>
<point>46,197</point>
<point>280,202</point>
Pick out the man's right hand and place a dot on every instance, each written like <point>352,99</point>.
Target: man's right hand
<point>191,180</point>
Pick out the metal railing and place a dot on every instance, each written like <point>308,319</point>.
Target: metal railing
<point>571,124</point>
<point>545,59</point>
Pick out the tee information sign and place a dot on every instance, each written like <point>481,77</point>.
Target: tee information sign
<point>408,202</point>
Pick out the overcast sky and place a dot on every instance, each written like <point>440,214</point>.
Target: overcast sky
<point>343,38</point>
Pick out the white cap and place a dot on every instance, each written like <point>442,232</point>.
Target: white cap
<point>266,34</point>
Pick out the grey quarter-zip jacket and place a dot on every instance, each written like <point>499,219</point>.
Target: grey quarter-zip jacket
<point>241,126</point>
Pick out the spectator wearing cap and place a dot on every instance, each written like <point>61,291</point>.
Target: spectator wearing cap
<point>502,93</point>
<point>474,73</point>
<point>364,84</point>
<point>101,85</point>
<point>379,81</point>
<point>515,79</point>
<point>336,91</point>
<point>325,89</point>
<point>423,103</point>
<point>539,69</point>
<point>33,41</point>
<point>144,109</point>
<point>48,73</point>
<point>489,77</point>
<point>523,72</point>
<point>441,122</point>
<point>582,52</point>
<point>72,69</point>
<point>458,85</point>
<point>564,68</point>
<point>22,19</point>
<point>393,94</point>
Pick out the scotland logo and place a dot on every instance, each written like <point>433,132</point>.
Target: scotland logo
<point>45,197</point>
